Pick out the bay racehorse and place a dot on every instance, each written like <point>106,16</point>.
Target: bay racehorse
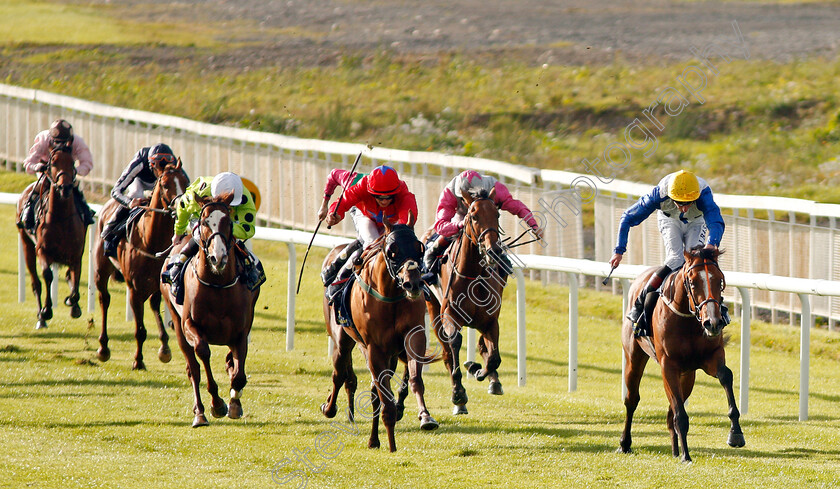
<point>387,314</point>
<point>470,294</point>
<point>147,235</point>
<point>218,308</point>
<point>59,235</point>
<point>687,325</point>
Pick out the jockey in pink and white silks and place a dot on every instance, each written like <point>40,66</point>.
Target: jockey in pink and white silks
<point>58,136</point>
<point>688,216</point>
<point>451,209</point>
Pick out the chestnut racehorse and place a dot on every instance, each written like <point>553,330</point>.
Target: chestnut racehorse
<point>137,260</point>
<point>387,325</point>
<point>470,295</point>
<point>218,309</point>
<point>59,235</point>
<point>687,327</point>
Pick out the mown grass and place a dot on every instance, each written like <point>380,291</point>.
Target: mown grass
<point>70,421</point>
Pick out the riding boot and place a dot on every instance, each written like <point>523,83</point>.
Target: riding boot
<point>253,274</point>
<point>432,257</point>
<point>724,314</point>
<point>653,284</point>
<point>343,276</point>
<point>174,273</point>
<point>505,266</point>
<point>84,209</point>
<point>328,274</point>
<point>112,231</point>
<point>27,214</point>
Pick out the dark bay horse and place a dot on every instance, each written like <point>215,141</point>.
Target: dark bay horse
<point>687,335</point>
<point>218,309</point>
<point>137,260</point>
<point>388,324</point>
<point>470,294</point>
<point>59,233</point>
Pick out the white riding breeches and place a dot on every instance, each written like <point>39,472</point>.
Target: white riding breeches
<point>366,229</point>
<point>679,237</point>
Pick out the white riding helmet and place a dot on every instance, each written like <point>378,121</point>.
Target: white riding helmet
<point>227,182</point>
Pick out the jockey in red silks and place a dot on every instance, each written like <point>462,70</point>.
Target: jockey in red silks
<point>452,208</point>
<point>364,226</point>
<point>378,196</point>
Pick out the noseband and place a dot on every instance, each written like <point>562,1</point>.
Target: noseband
<point>391,264</point>
<point>695,307</point>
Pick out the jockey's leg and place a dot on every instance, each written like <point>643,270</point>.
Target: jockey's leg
<point>27,214</point>
<point>81,204</point>
<point>174,273</point>
<point>653,283</point>
<point>368,233</point>
<point>253,273</point>
<point>344,274</point>
<point>113,230</point>
<point>329,273</point>
<point>431,259</point>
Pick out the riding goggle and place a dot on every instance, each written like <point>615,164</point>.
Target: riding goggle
<point>683,203</point>
<point>162,158</point>
<point>383,197</point>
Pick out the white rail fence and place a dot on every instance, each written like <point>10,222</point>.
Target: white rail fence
<point>574,269</point>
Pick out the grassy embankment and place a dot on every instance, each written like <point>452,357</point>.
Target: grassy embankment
<point>765,128</point>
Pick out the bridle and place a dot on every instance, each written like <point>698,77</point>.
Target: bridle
<point>54,180</point>
<point>471,228</point>
<point>391,252</point>
<point>694,306</point>
<point>205,242</point>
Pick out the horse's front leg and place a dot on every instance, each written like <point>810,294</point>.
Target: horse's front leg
<point>450,339</point>
<point>32,266</point>
<point>102,275</point>
<point>415,349</point>
<point>382,369</point>
<point>636,361</point>
<point>136,301</point>
<point>194,374</point>
<point>236,370</point>
<point>72,300</point>
<point>164,353</point>
<point>677,417</point>
<point>736,436</point>
<point>218,408</point>
<point>45,312</point>
<point>488,346</point>
<point>342,360</point>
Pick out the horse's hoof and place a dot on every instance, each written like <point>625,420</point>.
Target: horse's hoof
<point>235,410</point>
<point>329,413</point>
<point>67,301</point>
<point>41,324</point>
<point>200,420</point>
<point>45,314</point>
<point>623,450</point>
<point>472,368</point>
<point>219,411</point>
<point>164,354</point>
<point>736,440</point>
<point>373,443</point>
<point>138,365</point>
<point>460,397</point>
<point>428,423</point>
<point>103,354</point>
<point>460,409</point>
<point>481,374</point>
<point>75,311</point>
<point>495,388</point>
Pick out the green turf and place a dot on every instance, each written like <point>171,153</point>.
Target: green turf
<point>70,421</point>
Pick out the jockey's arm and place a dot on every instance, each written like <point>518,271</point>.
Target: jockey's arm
<point>446,210</point>
<point>244,219</point>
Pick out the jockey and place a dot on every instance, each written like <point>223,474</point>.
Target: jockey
<point>243,215</point>
<point>688,216</point>
<point>378,196</point>
<point>58,136</point>
<point>452,209</point>
<point>133,188</point>
<point>346,180</point>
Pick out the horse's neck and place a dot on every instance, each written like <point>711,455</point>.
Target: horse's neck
<point>59,207</point>
<point>155,228</point>
<point>676,285</point>
<point>375,273</point>
<point>467,259</point>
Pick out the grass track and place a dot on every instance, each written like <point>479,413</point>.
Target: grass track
<point>70,421</point>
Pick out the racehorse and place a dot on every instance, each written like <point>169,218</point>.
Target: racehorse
<point>59,235</point>
<point>687,328</point>
<point>218,309</point>
<point>147,235</point>
<point>387,324</point>
<point>470,294</point>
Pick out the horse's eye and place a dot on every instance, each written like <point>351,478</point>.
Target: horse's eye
<point>391,250</point>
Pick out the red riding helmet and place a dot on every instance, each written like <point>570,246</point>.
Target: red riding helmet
<point>383,180</point>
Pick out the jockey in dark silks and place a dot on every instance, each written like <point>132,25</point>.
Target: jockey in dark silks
<point>58,136</point>
<point>134,188</point>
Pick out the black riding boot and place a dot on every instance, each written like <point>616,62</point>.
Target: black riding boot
<point>27,214</point>
<point>653,283</point>
<point>343,275</point>
<point>113,229</point>
<point>328,274</point>
<point>84,209</point>
<point>174,273</point>
<point>432,257</point>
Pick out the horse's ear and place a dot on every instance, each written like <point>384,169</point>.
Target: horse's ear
<point>468,198</point>
<point>178,165</point>
<point>389,226</point>
<point>492,194</point>
<point>226,197</point>
<point>201,201</point>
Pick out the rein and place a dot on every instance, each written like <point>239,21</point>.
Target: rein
<point>693,307</point>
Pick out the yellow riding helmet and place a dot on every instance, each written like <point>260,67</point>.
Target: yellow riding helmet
<point>684,187</point>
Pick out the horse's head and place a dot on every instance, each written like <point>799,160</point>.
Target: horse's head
<point>171,183</point>
<point>403,253</point>
<point>62,171</point>
<point>481,224</point>
<point>216,230</point>
<point>704,283</point>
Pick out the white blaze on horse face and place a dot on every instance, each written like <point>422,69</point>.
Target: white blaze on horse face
<point>218,250</point>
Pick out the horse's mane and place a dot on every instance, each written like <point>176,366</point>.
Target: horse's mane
<point>479,193</point>
<point>700,251</point>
